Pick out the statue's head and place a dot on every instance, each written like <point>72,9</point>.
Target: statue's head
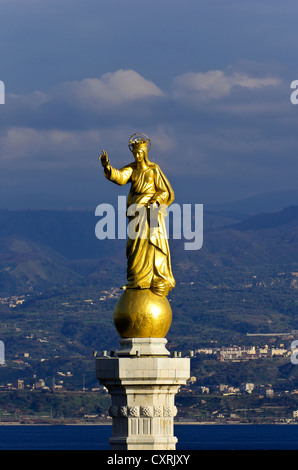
<point>139,142</point>
<point>139,145</point>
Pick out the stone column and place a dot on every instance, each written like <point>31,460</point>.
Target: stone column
<point>143,381</point>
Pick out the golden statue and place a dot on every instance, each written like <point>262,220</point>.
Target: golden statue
<point>143,310</point>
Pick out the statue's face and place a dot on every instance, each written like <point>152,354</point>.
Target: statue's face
<point>139,156</point>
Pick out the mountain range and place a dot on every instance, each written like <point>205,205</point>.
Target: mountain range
<point>260,203</point>
<point>42,249</point>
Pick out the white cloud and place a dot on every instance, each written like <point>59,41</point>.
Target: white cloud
<point>25,147</point>
<point>217,84</point>
<point>111,89</point>
<point>92,94</point>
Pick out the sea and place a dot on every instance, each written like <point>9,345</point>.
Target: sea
<point>190,437</point>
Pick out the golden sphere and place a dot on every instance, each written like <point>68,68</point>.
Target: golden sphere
<point>139,313</point>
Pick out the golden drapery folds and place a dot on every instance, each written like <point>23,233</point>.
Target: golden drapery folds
<point>148,254</point>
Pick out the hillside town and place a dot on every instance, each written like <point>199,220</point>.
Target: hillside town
<point>239,353</point>
<point>232,354</point>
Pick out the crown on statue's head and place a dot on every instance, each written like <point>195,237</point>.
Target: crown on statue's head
<point>139,142</point>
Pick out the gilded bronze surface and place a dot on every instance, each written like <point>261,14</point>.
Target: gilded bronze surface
<point>139,313</point>
<point>149,271</point>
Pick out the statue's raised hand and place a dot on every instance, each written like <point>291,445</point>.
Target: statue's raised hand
<point>104,158</point>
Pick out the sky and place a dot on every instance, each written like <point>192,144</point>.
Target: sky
<point>209,81</point>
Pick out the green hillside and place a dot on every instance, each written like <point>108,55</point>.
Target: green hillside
<point>58,295</point>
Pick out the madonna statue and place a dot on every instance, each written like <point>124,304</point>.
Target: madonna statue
<point>148,254</point>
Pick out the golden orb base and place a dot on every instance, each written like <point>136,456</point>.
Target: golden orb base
<point>139,313</point>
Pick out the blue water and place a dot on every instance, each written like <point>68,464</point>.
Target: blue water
<point>190,437</point>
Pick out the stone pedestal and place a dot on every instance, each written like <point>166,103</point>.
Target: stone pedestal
<point>142,381</point>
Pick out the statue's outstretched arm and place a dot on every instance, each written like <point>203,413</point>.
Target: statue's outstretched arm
<point>116,176</point>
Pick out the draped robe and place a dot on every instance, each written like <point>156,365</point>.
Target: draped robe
<point>148,257</point>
